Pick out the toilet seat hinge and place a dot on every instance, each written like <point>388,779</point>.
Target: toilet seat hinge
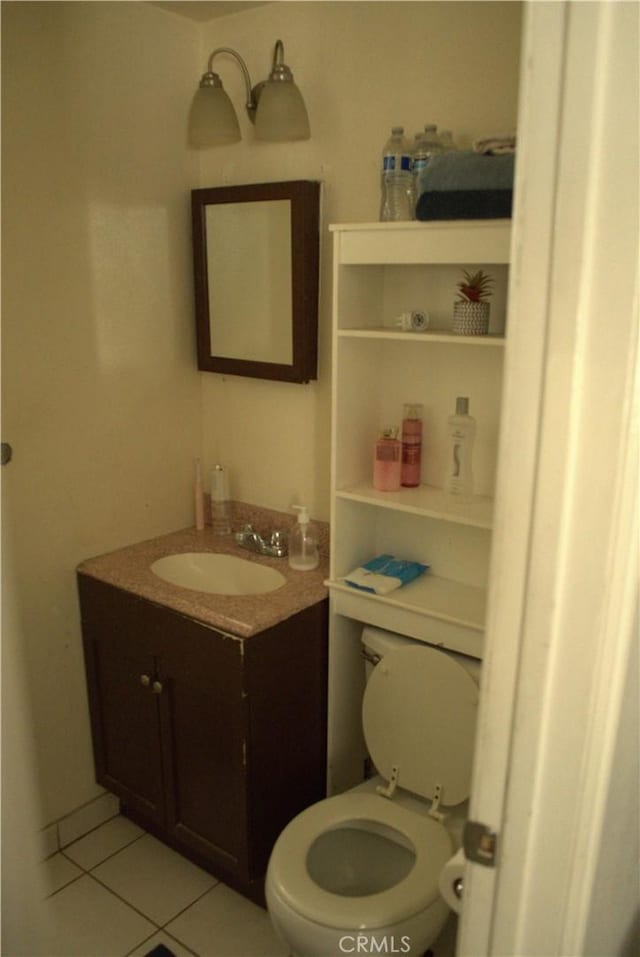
<point>433,810</point>
<point>391,786</point>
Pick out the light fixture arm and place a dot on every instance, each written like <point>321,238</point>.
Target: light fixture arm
<point>212,79</point>
<point>279,69</point>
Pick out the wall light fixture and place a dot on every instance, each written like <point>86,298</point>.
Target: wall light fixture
<point>275,106</point>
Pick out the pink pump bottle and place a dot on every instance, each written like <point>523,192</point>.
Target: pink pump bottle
<point>387,462</point>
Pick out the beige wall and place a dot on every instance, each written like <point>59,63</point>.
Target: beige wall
<point>362,67</point>
<point>102,401</point>
<point>100,397</point>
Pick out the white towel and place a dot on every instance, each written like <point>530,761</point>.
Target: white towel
<point>496,145</point>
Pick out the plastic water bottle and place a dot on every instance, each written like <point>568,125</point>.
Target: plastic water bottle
<point>447,142</point>
<point>426,144</point>
<point>397,180</point>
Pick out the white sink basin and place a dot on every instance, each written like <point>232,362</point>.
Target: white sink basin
<point>217,574</point>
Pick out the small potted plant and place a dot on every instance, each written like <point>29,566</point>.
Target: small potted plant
<point>471,309</point>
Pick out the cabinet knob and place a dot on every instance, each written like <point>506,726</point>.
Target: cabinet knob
<point>145,681</point>
<point>156,687</point>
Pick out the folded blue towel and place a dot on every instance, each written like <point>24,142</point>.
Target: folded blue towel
<point>465,204</point>
<point>384,574</point>
<point>466,170</point>
<point>466,185</point>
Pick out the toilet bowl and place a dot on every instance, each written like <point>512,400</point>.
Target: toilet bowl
<point>358,872</point>
<point>353,867</point>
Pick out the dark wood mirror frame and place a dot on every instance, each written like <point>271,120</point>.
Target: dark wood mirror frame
<point>304,197</point>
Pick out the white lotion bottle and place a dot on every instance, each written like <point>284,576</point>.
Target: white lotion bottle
<point>461,429</point>
<point>303,542</point>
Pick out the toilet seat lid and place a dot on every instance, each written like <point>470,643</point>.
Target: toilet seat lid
<point>419,716</point>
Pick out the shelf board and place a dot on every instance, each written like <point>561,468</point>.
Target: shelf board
<point>429,336</point>
<point>436,226</point>
<point>425,501</point>
<point>429,597</point>
<point>458,241</point>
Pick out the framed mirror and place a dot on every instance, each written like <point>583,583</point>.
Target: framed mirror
<point>256,251</point>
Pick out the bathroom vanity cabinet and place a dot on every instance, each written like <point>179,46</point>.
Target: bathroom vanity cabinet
<point>212,742</point>
<point>380,271</point>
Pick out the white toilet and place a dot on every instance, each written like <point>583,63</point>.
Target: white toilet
<point>358,873</point>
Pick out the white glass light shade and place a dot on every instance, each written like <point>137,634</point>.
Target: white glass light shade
<point>281,115</point>
<point>212,119</point>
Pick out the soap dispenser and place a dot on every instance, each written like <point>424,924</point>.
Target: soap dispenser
<point>303,542</point>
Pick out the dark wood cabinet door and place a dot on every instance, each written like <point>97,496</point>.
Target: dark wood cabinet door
<point>203,737</point>
<point>124,709</point>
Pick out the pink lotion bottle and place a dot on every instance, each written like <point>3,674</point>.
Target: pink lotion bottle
<point>387,462</point>
<point>411,445</point>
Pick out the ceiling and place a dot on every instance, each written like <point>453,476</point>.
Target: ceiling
<point>204,10</point>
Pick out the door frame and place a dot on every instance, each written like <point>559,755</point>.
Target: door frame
<point>564,576</point>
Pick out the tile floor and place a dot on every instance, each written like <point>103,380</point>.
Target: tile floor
<point>118,892</point>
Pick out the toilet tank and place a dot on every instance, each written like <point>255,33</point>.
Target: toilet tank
<point>376,643</point>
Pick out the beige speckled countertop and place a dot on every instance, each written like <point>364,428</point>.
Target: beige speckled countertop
<point>243,615</point>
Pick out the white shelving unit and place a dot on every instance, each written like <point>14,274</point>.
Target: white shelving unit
<point>380,271</point>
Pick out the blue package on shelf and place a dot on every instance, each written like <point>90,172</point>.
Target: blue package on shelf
<point>384,574</point>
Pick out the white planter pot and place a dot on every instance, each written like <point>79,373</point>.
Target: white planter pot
<point>471,318</point>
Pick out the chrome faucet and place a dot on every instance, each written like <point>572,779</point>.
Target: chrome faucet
<point>275,547</point>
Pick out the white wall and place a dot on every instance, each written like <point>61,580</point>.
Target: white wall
<point>102,401</point>
<point>101,397</point>
<point>362,67</point>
